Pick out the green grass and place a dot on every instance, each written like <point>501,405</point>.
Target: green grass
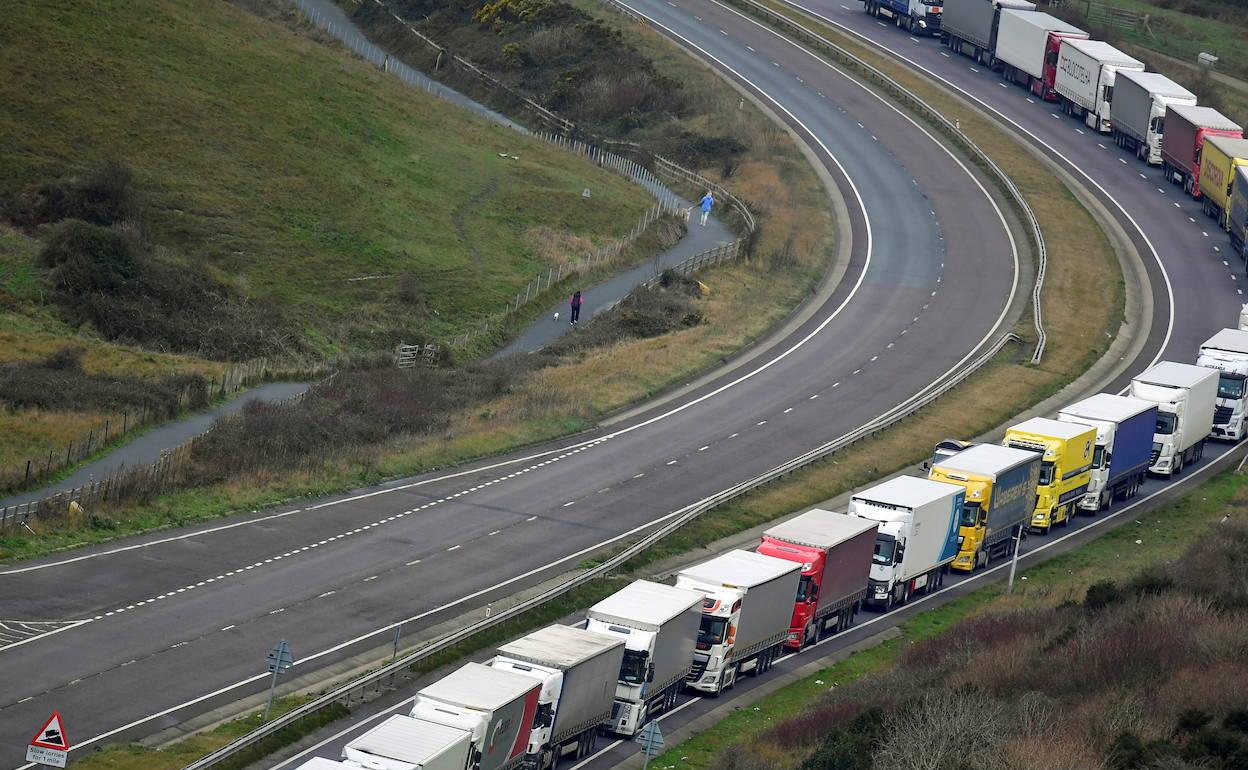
<point>287,167</point>
<point>1159,536</point>
<point>1181,34</point>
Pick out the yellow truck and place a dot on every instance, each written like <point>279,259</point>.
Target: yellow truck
<point>1066,450</point>
<point>1000,486</point>
<point>1219,159</point>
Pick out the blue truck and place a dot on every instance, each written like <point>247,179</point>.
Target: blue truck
<point>918,17</point>
<point>1124,444</point>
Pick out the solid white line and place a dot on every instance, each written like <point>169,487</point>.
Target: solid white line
<point>1157,257</point>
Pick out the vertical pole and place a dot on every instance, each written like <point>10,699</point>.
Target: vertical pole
<point>397,630</point>
<point>272,686</point>
<point>1014,562</point>
<point>27,480</point>
<point>649,745</point>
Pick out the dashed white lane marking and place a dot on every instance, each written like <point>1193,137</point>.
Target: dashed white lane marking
<point>412,563</point>
<point>750,48</point>
<point>569,503</point>
<point>492,534</point>
<point>639,475</point>
<point>775,63</point>
<point>1192,220</point>
<point>722,32</point>
<point>1204,233</point>
<point>942,53</point>
<point>1059,117</point>
<point>846,7</point>
<point>836,384</point>
<point>331,593</point>
<point>882,24</point>
<point>671,462</point>
<point>227,628</point>
<point>914,40</point>
<point>279,609</point>
<point>734,435</point>
<point>1215,248</point>
<point>368,579</point>
<point>812,398</point>
<point>454,548</point>
<point>873,358</point>
<point>1227,264</point>
<point>786,411</point>
<point>1098,144</point>
<point>856,371</point>
<point>973,69</point>
<point>1176,205</point>
<point>703,448</point>
<point>1122,161</point>
<point>821,96</point>
<point>1003,85</point>
<point>1030,100</point>
<point>699,18</point>
<point>889,345</point>
<point>1079,131</point>
<point>761,422</point>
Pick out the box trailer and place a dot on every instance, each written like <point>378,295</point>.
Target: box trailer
<point>576,670</point>
<point>1066,451</point>
<point>321,763</point>
<point>496,707</point>
<point>1219,159</point>
<point>1027,44</point>
<point>969,27</point>
<point>746,592</point>
<point>1124,444</point>
<point>1086,73</point>
<point>404,743</point>
<point>659,626</point>
<point>1237,222</point>
<point>1227,352</point>
<point>917,539</point>
<point>1141,100</point>
<point>1000,486</point>
<point>1185,396</point>
<point>834,550</point>
<point>1187,128</point>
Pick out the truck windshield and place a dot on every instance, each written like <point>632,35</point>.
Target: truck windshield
<point>970,514</point>
<point>803,588</point>
<point>1165,423</point>
<point>884,547</point>
<point>711,632</point>
<point>1046,474</point>
<point>1230,386</point>
<point>1098,457</point>
<point>633,669</point>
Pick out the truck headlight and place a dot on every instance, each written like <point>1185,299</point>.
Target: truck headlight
<point>960,539</point>
<point>793,636</point>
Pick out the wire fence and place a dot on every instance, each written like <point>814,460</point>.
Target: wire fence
<point>140,481</point>
<point>399,672</point>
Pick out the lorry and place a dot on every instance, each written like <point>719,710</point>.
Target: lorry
<point>404,743</point>
<point>917,539</point>
<point>918,17</point>
<point>969,27</point>
<point>576,670</point>
<point>1000,485</point>
<point>1187,128</point>
<point>1124,443</point>
<point>1086,73</point>
<point>1222,155</point>
<point>745,615</point>
<point>1066,451</point>
<point>1140,103</point>
<point>659,626</point>
<point>495,708</point>
<point>1237,222</point>
<point>1027,46</point>
<point>834,551</point>
<point>1227,352</point>
<point>1185,396</point>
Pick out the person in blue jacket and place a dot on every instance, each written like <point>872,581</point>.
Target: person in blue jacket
<point>707,201</point>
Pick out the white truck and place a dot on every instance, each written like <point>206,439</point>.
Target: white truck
<point>745,615</point>
<point>404,743</point>
<point>1185,396</point>
<point>659,625</point>
<point>576,670</point>
<point>321,763</point>
<point>496,708</point>
<point>1140,103</point>
<point>1086,71</point>
<point>1124,442</point>
<point>1027,45</point>
<point>917,537</point>
<point>1227,351</point>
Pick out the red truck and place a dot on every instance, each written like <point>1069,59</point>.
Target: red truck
<point>1187,127</point>
<point>835,551</point>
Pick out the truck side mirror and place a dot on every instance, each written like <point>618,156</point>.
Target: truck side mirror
<point>650,672</point>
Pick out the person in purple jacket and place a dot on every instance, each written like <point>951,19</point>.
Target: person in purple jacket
<point>576,302</point>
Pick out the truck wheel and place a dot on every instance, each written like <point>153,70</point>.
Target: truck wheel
<point>1200,450</point>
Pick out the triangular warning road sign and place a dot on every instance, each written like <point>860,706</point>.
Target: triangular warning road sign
<point>52,736</point>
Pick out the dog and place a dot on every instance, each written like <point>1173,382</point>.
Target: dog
<point>556,315</point>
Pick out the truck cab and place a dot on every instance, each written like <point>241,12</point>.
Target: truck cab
<point>712,659</point>
<point>808,586</point>
<point>1227,351</point>
<point>1000,485</point>
<point>1067,452</point>
<point>918,17</point>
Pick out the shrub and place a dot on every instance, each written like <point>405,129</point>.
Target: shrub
<point>1101,595</point>
<point>59,382</point>
<point>84,258</point>
<point>106,196</point>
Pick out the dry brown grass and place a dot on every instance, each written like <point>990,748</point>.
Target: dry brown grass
<point>29,434</point>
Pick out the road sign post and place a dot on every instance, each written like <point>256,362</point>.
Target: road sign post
<point>651,740</point>
<point>280,661</point>
<point>49,746</point>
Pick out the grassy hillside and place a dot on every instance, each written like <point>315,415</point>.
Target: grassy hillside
<point>264,173</point>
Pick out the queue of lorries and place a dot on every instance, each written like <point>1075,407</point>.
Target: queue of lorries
<point>1147,113</point>
<point>546,697</point>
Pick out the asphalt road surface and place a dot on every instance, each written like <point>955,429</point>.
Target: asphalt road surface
<point>168,625</point>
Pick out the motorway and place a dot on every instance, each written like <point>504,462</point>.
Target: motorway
<point>146,632</point>
<point>1183,254</point>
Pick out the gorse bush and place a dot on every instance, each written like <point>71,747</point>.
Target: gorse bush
<point>105,196</point>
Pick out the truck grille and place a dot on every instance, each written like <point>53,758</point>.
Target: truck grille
<point>695,673</point>
<point>1152,457</point>
<point>1221,415</point>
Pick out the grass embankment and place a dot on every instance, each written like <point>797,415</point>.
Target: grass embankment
<point>746,299</point>
<point>761,734</point>
<point>270,170</point>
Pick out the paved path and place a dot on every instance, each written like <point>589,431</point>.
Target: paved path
<point>148,446</point>
<point>598,298</point>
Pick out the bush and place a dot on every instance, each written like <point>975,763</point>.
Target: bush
<point>1101,595</point>
<point>106,196</point>
<point>60,383</point>
<point>84,258</point>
